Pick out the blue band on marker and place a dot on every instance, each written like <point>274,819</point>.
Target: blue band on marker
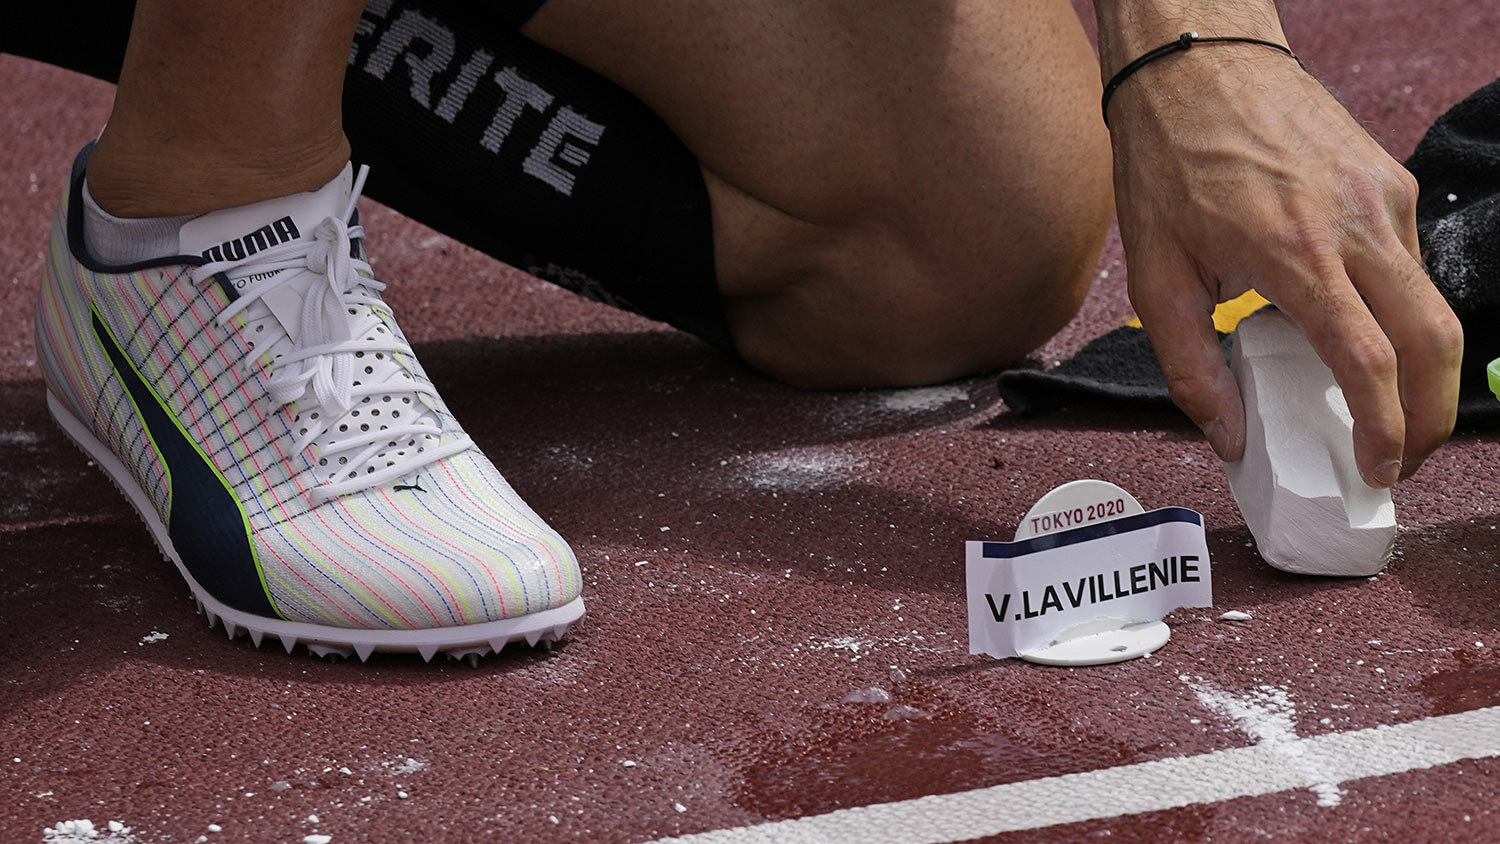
<point>1073,536</point>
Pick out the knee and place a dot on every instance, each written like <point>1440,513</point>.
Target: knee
<point>889,310</point>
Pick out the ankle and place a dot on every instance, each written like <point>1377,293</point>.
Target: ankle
<point>129,179</point>
<point>119,241</point>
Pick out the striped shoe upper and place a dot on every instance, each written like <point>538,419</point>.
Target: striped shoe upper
<point>263,398</point>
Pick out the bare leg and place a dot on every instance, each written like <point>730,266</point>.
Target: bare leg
<point>902,192</point>
<point>225,103</point>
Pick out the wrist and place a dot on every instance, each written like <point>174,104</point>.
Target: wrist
<point>1130,28</point>
<point>1182,44</point>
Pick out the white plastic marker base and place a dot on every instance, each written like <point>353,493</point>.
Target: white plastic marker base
<point>1082,545</point>
<point>1102,642</point>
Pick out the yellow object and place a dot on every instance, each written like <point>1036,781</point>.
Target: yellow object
<point>1228,314</point>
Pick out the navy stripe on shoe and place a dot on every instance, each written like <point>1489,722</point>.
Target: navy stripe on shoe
<point>205,522</point>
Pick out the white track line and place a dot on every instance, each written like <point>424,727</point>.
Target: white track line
<point>1144,787</point>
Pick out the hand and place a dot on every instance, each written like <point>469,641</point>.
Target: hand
<point>1235,169</point>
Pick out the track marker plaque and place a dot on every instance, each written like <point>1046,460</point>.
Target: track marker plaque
<point>1087,579</point>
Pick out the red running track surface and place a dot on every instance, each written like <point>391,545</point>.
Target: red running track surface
<point>752,555</point>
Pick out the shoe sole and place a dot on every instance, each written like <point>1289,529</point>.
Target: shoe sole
<point>467,642</point>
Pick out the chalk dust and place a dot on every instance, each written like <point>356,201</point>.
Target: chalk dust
<point>1268,715</point>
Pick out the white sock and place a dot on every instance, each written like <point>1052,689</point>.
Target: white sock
<point>120,241</point>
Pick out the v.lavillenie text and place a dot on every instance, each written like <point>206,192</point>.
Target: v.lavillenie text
<point>1094,589</point>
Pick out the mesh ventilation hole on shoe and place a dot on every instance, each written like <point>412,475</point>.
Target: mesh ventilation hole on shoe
<point>345,437</point>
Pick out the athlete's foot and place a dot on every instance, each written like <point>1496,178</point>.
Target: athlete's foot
<point>257,403</point>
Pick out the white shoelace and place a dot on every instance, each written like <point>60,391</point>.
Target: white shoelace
<point>348,354</point>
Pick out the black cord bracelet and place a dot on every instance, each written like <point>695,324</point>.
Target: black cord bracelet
<point>1183,42</point>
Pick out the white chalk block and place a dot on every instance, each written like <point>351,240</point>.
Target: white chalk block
<point>1298,486</point>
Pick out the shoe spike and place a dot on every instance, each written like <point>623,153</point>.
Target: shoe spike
<point>328,649</point>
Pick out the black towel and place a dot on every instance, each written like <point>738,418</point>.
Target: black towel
<point>1459,157</point>
<point>1458,218</point>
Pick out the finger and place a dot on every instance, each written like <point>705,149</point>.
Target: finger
<point>1177,313</point>
<point>1404,213</point>
<point>1427,339</point>
<point>1323,302</point>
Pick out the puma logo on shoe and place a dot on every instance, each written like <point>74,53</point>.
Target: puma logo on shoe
<point>263,238</point>
<point>205,522</point>
<point>415,484</point>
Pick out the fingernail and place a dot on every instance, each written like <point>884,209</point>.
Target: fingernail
<point>1388,472</point>
<point>1217,437</point>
